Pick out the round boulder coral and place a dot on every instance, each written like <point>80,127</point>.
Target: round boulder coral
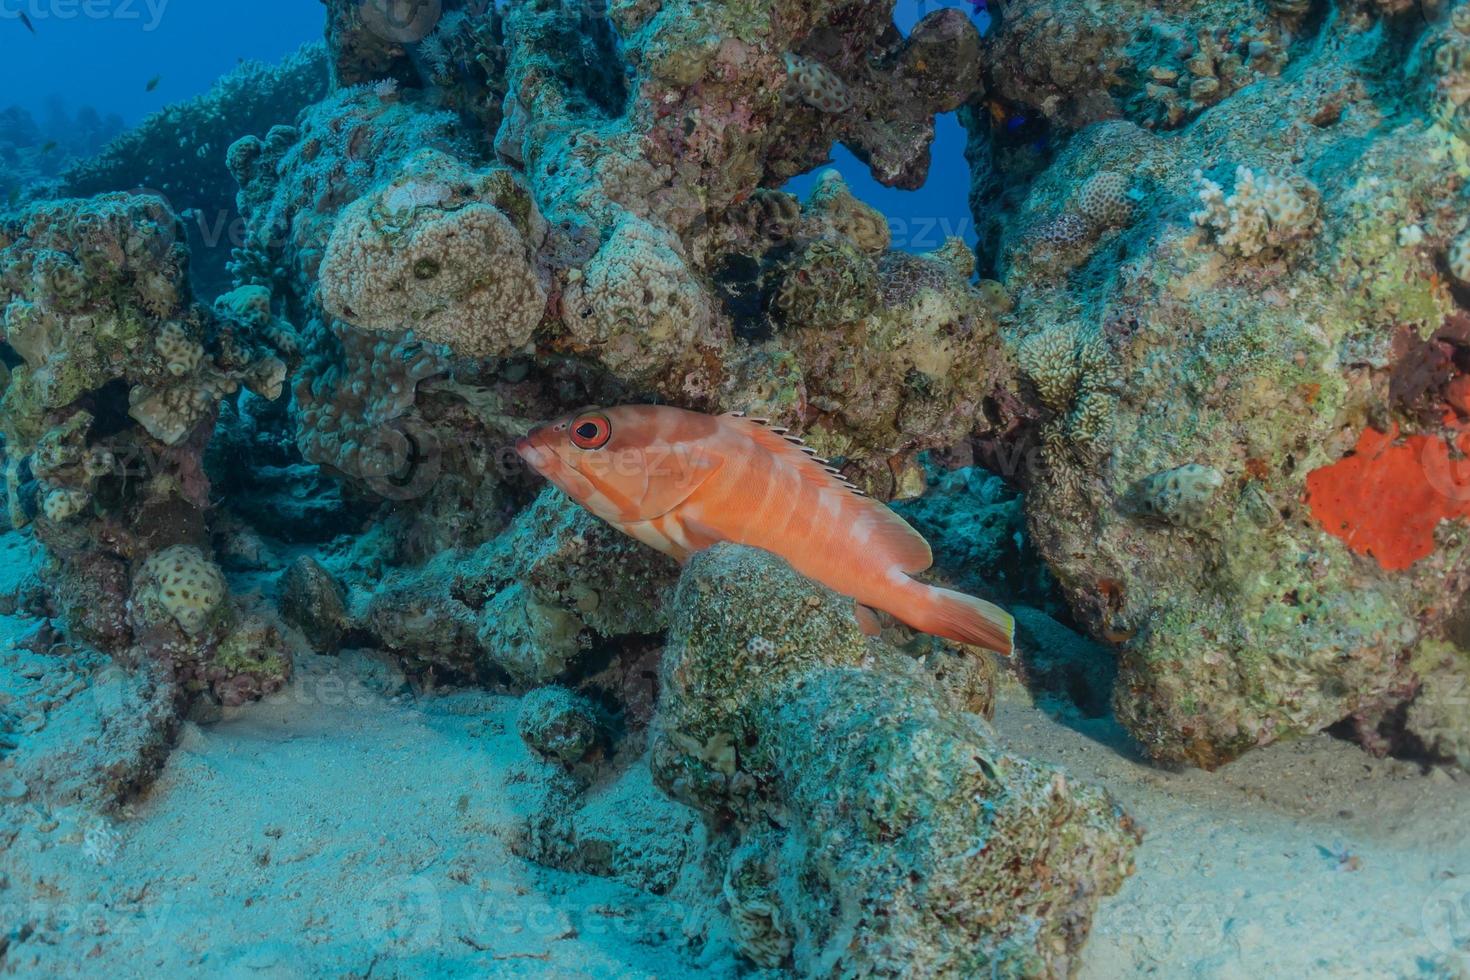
<point>182,584</point>
<point>637,306</point>
<point>434,252</point>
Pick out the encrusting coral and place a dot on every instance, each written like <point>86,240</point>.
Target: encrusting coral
<point>844,776</point>
<point>1260,506</point>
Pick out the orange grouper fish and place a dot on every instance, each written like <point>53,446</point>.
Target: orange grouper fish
<point>681,481</point>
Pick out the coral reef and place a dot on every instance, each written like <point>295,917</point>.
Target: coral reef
<point>1246,394</point>
<point>877,827</point>
<point>629,246</point>
<point>1211,344</point>
<point>104,422</point>
<point>179,153</point>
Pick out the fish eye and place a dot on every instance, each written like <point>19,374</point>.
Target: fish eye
<point>591,431</point>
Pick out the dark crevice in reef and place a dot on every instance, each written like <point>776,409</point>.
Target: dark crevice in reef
<point>108,406</point>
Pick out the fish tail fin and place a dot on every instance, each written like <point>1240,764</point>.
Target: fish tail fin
<point>956,616</point>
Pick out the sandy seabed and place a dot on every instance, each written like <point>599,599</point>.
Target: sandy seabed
<point>349,827</point>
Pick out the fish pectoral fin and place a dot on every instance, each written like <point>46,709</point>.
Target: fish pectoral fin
<point>697,534</point>
<point>673,480</point>
<point>867,620</point>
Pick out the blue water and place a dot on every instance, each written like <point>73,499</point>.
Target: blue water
<point>103,54</point>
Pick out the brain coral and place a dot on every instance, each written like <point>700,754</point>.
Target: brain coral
<point>436,251</point>
<point>815,84</point>
<point>1103,201</point>
<point>1182,495</point>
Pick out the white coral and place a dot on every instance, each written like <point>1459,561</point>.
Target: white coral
<point>1264,212</point>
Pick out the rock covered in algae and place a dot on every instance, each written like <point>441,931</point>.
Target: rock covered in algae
<point>529,604</point>
<point>557,724</point>
<point>1246,395</point>
<point>105,420</point>
<point>877,827</point>
<point>312,600</point>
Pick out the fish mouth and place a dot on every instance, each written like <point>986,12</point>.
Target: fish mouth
<point>534,455</point>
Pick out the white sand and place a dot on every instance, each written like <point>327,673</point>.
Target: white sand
<point>1305,859</point>
<point>350,829</point>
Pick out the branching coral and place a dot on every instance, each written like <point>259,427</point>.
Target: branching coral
<point>1264,212</point>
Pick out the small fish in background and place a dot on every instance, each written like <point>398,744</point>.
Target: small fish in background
<point>681,481</point>
<point>153,82</point>
<point>48,147</point>
<point>27,21</point>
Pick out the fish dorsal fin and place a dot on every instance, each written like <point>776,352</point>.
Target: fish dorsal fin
<point>888,532</point>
